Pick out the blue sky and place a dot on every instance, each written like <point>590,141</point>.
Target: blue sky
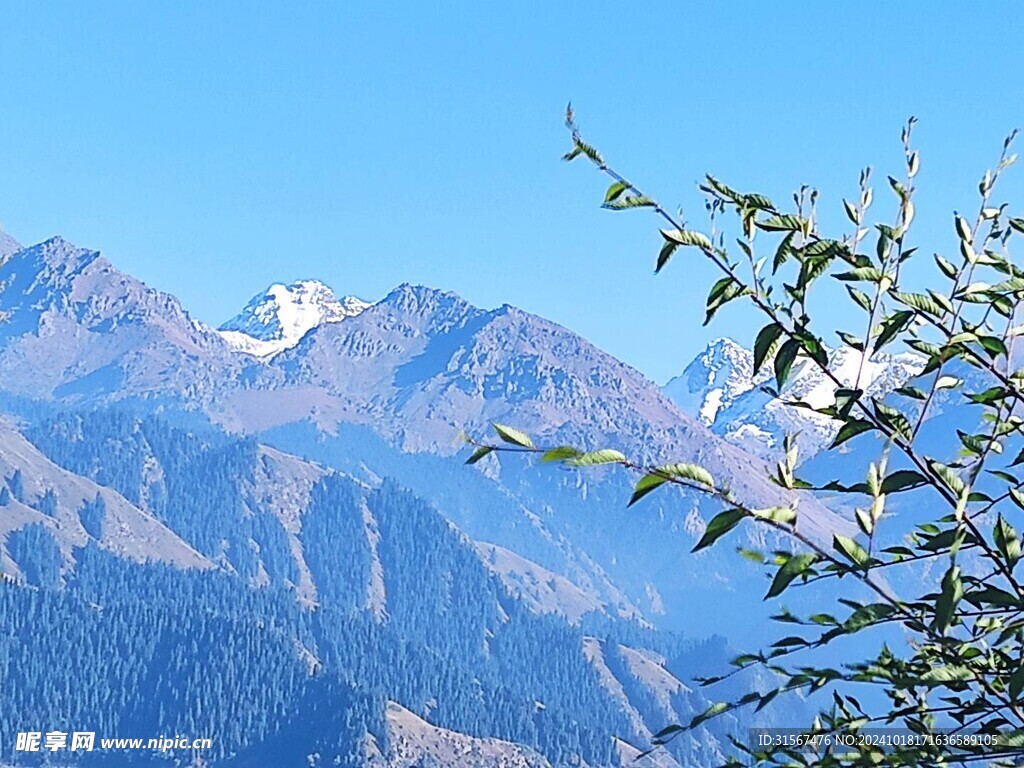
<point>214,148</point>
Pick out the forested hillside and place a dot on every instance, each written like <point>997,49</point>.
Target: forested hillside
<point>320,611</point>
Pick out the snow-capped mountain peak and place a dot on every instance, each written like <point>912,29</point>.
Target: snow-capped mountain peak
<point>720,388</point>
<point>278,318</point>
<point>713,380</point>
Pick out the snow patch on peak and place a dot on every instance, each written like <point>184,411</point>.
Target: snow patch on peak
<point>278,318</point>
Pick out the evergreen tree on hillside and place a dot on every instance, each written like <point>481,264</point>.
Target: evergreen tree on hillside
<point>16,484</point>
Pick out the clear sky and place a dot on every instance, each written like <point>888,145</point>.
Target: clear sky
<point>211,148</point>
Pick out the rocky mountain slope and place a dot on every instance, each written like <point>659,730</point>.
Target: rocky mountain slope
<point>415,742</point>
<point>75,510</point>
<point>78,330</point>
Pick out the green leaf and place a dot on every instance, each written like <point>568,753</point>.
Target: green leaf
<point>784,223</point>
<point>723,189</point>
<point>783,515</point>
<point>947,268</point>
<point>994,346</point>
<point>722,292</point>
<point>794,566</point>
<point>767,698</point>
<point>1017,497</point>
<point>993,596</point>
<point>714,709</point>
<point>604,456</point>
<point>913,392</point>
<point>479,453</point>
<point>866,616</point>
<point>921,303</point>
<point>1013,285</point>
<point>952,592</point>
<point>720,525</point>
<point>687,237</point>
<point>851,549</point>
<point>903,480</point>
<point>561,453</point>
<point>784,360</point>
<point>989,396</point>
<point>864,521</point>
<point>1016,682</point>
<point>626,202</point>
<point>615,190</point>
<point>765,344</point>
<point>973,444</point>
<point>948,476</point>
<point>513,436</point>
<point>1007,542</point>
<point>667,731</point>
<point>572,154</point>
<point>718,290</point>
<point>645,485</point>
<point>891,326</point>
<point>851,341</point>
<point>892,418</point>
<point>851,212</point>
<point>941,300</point>
<point>859,297</point>
<point>814,349</point>
<point>693,472</point>
<point>963,229</point>
<point>948,673</point>
<point>851,429</point>
<point>783,252</point>
<point>665,254</point>
<point>762,203</point>
<point>589,151</point>
<point>862,275</point>
<point>752,555</point>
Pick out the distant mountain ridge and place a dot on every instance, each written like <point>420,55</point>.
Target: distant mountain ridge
<point>74,328</point>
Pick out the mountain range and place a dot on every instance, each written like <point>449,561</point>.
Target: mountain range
<point>261,452</point>
<point>387,392</point>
